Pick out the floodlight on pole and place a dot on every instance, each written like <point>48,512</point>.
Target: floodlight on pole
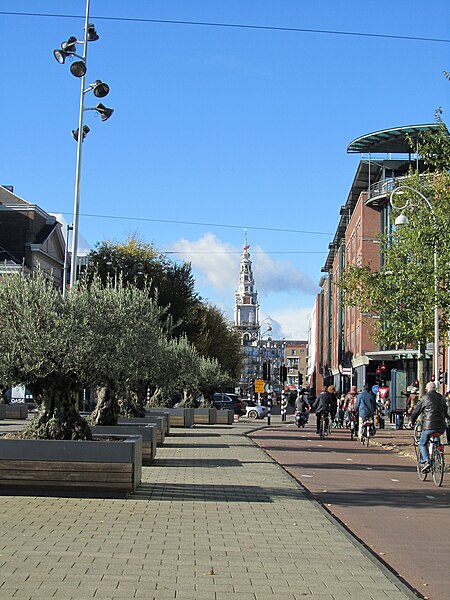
<point>100,89</point>
<point>402,220</point>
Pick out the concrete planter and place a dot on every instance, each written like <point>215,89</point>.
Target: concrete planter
<point>207,416</point>
<point>181,417</point>
<point>155,420</point>
<point>160,412</point>
<point>13,411</point>
<point>147,433</point>
<point>225,417</point>
<point>61,466</point>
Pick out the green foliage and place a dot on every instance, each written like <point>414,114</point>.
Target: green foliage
<point>434,146</point>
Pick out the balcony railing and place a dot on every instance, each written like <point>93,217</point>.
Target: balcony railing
<point>382,188</point>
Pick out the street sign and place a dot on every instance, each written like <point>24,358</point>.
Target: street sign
<point>346,371</point>
<point>375,389</point>
<point>383,391</point>
<point>259,386</point>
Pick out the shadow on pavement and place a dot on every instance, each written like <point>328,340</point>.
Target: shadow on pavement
<point>379,497</point>
<point>213,493</point>
<point>196,462</point>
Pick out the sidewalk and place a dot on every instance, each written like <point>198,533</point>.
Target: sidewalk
<point>215,518</point>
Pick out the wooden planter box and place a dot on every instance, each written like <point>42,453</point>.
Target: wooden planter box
<point>61,466</point>
<point>14,411</point>
<point>153,420</point>
<point>147,433</point>
<point>206,416</point>
<point>181,417</point>
<point>225,417</point>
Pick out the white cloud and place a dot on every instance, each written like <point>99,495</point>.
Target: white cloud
<point>218,264</point>
<point>213,259</point>
<point>294,322</point>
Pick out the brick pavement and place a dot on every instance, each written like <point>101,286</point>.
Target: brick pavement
<point>215,518</point>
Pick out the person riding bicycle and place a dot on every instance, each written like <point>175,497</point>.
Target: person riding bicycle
<point>434,409</point>
<point>350,403</point>
<point>302,404</point>
<point>365,407</point>
<point>321,406</point>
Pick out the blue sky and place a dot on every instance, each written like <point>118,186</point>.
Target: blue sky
<point>216,128</point>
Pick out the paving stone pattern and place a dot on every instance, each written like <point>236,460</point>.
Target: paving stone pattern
<point>215,518</point>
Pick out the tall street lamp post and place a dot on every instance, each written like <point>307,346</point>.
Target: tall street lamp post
<point>402,220</point>
<point>78,69</point>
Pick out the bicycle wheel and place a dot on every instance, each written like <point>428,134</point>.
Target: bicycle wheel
<point>420,475</point>
<point>417,431</point>
<point>367,435</point>
<point>322,429</point>
<point>438,467</point>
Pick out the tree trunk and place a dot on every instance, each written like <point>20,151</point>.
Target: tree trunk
<point>131,404</point>
<point>107,410</point>
<point>58,418</point>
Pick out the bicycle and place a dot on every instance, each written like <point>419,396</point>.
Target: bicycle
<point>353,424</point>
<point>437,458</point>
<point>324,425</point>
<point>417,431</point>
<point>366,432</point>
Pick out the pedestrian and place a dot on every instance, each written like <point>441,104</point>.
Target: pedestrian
<point>340,412</point>
<point>434,408</point>
<point>334,403</point>
<point>322,405</point>
<point>365,407</point>
<point>381,410</point>
<point>350,403</point>
<point>411,402</point>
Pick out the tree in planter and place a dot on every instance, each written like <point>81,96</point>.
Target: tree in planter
<point>40,337</point>
<point>132,336</point>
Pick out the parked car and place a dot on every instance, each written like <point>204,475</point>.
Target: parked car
<point>254,411</point>
<point>224,400</point>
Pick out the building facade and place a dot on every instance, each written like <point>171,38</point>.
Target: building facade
<point>343,342</point>
<point>30,238</point>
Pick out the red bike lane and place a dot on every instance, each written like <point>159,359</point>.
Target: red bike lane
<point>376,494</point>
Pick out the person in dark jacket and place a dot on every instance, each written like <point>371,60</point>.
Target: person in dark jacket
<point>434,409</point>
<point>365,407</point>
<point>322,405</point>
<point>333,398</point>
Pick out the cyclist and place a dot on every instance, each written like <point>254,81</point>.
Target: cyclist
<point>322,405</point>
<point>365,407</point>
<point>434,409</point>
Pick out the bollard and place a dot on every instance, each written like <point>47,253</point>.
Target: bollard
<point>269,406</point>
<point>283,406</point>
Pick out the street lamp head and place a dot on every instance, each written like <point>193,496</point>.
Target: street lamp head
<point>92,35</point>
<point>67,48</point>
<point>104,112</point>
<point>401,220</point>
<point>100,89</point>
<point>75,132</point>
<point>78,68</point>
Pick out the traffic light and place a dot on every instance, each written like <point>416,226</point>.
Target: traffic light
<point>300,378</point>
<point>283,373</point>
<point>442,377</point>
<point>266,370</point>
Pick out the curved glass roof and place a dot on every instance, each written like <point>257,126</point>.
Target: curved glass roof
<point>389,140</point>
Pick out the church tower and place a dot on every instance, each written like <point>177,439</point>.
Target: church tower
<point>246,318</point>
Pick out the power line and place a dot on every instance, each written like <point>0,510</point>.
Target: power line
<point>124,218</point>
<point>234,26</point>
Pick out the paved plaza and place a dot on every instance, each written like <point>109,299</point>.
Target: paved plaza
<point>215,518</point>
